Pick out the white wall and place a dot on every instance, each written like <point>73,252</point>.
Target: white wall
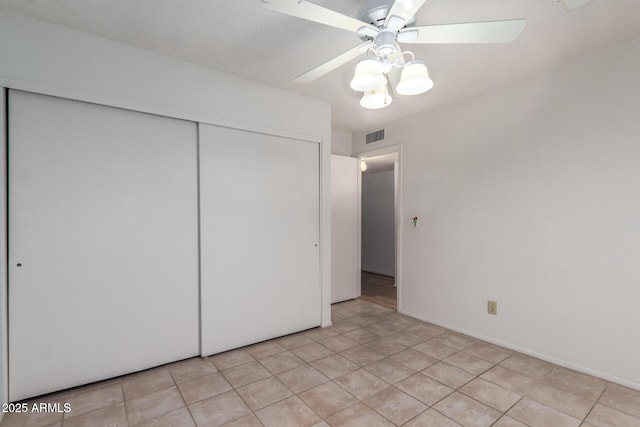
<point>340,142</point>
<point>529,196</point>
<point>53,59</point>
<point>41,57</point>
<point>378,223</point>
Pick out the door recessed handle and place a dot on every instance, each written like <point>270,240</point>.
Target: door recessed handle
<point>19,264</point>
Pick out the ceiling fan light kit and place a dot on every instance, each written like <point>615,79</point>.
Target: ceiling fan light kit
<point>415,79</point>
<point>385,43</point>
<point>382,24</point>
<point>369,78</point>
<point>376,99</point>
<point>368,75</point>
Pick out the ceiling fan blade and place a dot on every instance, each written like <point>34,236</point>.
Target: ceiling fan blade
<point>312,12</point>
<point>470,32</point>
<point>334,63</point>
<point>403,9</point>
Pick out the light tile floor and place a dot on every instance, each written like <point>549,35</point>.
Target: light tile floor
<point>373,367</point>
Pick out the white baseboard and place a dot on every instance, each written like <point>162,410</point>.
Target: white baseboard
<point>529,352</point>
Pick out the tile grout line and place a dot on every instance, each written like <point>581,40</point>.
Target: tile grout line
<point>458,389</point>
<point>593,406</point>
<point>386,321</point>
<point>277,379</point>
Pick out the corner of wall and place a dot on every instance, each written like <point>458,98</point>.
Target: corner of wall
<point>341,143</point>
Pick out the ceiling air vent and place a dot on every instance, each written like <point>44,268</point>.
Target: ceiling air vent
<point>377,135</point>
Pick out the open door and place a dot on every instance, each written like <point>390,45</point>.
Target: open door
<point>379,224</point>
<point>345,271</point>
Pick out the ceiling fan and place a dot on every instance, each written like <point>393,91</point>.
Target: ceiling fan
<point>383,25</point>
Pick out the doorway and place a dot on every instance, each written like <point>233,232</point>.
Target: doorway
<point>379,204</point>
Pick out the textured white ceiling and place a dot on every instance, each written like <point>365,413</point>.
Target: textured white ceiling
<point>240,38</point>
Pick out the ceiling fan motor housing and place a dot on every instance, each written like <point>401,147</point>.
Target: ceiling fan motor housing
<point>375,12</point>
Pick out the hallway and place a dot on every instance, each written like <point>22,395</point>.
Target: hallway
<point>379,289</point>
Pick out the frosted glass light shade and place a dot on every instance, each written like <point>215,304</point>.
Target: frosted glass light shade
<point>368,76</point>
<point>414,79</point>
<point>376,99</point>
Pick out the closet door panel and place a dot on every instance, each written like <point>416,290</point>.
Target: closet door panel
<point>103,273</point>
<point>259,210</point>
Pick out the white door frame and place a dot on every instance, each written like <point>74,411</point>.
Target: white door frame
<point>4,263</point>
<point>397,148</point>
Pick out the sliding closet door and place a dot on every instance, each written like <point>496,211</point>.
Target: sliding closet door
<point>103,273</point>
<point>259,222</point>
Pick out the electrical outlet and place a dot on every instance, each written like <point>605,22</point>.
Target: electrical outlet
<point>492,307</point>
